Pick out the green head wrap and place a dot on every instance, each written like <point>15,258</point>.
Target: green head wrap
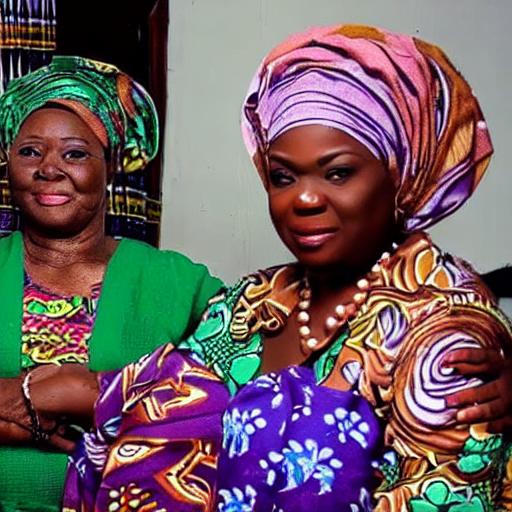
<point>117,109</point>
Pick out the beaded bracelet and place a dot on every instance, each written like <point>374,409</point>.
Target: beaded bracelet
<point>38,434</point>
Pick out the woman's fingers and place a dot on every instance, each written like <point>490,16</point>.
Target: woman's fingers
<point>490,402</point>
<point>477,395</point>
<point>474,361</point>
<point>13,434</point>
<point>483,412</point>
<point>61,443</point>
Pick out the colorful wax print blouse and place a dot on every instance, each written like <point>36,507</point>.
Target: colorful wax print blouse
<point>56,328</point>
<point>199,428</point>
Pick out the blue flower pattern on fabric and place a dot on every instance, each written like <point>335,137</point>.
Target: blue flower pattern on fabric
<point>276,442</point>
<point>238,429</point>
<point>349,423</point>
<point>236,500</point>
<point>364,504</point>
<point>272,382</point>
<point>300,462</point>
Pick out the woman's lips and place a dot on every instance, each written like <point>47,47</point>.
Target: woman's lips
<point>313,240</point>
<point>52,199</point>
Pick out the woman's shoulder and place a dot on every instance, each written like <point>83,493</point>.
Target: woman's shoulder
<point>422,286</point>
<point>277,284</point>
<point>421,265</point>
<point>149,255</point>
<point>228,339</point>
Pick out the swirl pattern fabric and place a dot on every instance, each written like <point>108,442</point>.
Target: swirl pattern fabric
<point>399,96</point>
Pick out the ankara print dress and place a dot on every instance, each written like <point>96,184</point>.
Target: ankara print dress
<point>198,427</point>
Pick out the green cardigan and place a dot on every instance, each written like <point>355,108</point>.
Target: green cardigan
<point>148,297</point>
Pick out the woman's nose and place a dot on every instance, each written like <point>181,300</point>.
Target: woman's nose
<point>309,202</point>
<point>49,168</point>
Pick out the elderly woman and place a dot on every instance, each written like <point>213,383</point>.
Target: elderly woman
<point>323,384</point>
<point>69,293</point>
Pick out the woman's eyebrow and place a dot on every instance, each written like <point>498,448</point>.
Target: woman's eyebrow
<point>331,155</point>
<point>282,159</point>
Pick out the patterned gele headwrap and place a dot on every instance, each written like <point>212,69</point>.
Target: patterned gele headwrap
<point>117,109</point>
<point>399,96</point>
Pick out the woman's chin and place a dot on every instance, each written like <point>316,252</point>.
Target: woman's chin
<point>55,227</point>
<point>317,259</point>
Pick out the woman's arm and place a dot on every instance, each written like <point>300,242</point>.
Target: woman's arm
<point>437,462</point>
<point>11,397</point>
<point>64,394</point>
<point>57,398</point>
<point>14,417</point>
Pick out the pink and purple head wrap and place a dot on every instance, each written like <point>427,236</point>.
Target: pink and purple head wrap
<point>399,96</point>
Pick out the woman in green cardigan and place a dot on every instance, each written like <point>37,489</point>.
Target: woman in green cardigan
<point>68,292</point>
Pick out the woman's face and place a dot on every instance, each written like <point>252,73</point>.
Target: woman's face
<point>332,202</point>
<point>58,172</point>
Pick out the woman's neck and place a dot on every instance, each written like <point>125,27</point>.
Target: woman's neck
<point>87,246</point>
<point>68,265</point>
<point>330,281</point>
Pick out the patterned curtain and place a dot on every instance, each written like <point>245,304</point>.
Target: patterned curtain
<point>131,212</point>
<point>27,41</point>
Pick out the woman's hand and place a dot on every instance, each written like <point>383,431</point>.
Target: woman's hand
<point>491,401</point>
<point>13,434</point>
<point>66,392</point>
<point>15,423</point>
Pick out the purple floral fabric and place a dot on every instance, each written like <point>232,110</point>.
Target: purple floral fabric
<point>292,445</point>
<point>170,437</point>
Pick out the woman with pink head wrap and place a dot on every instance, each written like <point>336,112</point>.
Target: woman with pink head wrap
<point>397,95</point>
<point>322,384</point>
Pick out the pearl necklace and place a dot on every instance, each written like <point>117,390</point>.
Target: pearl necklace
<point>342,313</point>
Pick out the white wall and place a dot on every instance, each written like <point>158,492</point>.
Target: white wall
<point>214,207</point>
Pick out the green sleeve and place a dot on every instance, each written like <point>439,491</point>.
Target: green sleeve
<point>149,297</point>
<point>201,286</point>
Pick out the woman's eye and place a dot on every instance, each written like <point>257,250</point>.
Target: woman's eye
<point>29,152</point>
<point>280,177</point>
<point>76,155</point>
<point>339,174</point>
